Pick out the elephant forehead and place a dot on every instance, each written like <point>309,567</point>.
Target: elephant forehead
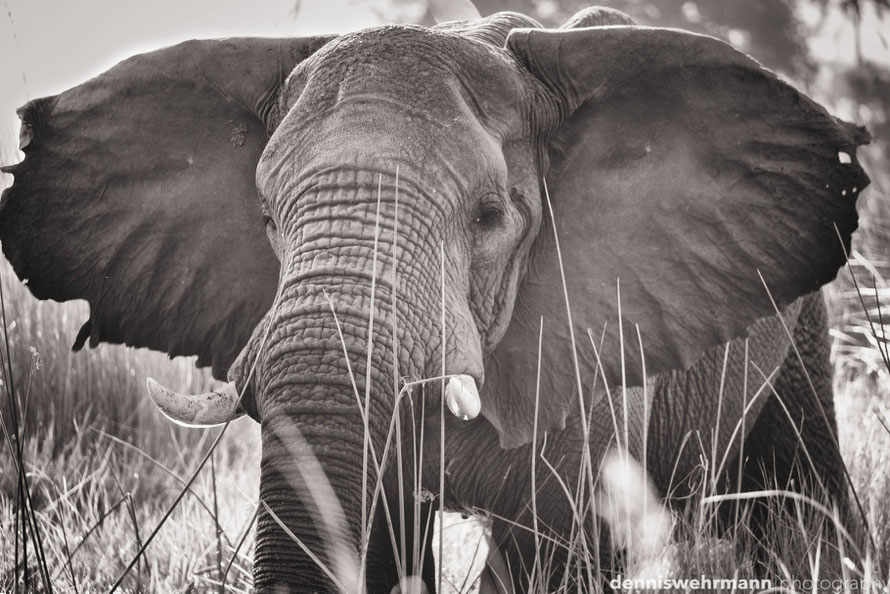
<point>441,73</point>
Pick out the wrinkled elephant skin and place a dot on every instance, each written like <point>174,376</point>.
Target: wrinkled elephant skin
<point>327,221</point>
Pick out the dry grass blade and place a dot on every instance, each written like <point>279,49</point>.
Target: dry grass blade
<point>25,505</point>
<point>366,444</point>
<point>306,550</point>
<point>241,540</point>
<point>309,481</point>
<point>373,452</point>
<point>441,419</point>
<point>815,394</point>
<point>131,510</point>
<point>170,509</point>
<point>197,470</point>
<point>217,529</point>
<point>536,570</point>
<point>68,561</point>
<point>770,493</point>
<point>166,470</point>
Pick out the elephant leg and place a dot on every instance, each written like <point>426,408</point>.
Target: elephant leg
<point>800,452</point>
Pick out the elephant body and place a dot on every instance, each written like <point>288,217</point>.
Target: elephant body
<point>552,234</point>
<point>687,434</point>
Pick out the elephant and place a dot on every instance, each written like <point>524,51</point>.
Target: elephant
<point>574,239</point>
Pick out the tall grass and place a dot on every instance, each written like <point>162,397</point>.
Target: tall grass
<point>97,494</point>
<point>101,462</point>
<point>102,467</point>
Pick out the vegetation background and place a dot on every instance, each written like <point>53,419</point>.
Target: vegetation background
<point>102,466</point>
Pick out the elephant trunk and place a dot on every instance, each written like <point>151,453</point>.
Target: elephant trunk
<point>316,478</point>
<point>341,280</point>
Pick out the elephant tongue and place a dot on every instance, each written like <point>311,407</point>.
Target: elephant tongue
<point>462,397</point>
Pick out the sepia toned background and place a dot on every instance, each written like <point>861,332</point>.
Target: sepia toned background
<point>103,465</point>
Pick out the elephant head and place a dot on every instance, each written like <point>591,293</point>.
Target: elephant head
<point>424,202</point>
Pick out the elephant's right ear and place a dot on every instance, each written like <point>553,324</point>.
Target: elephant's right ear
<point>137,193</point>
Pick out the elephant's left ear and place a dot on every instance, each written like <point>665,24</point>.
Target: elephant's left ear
<point>137,193</point>
<point>680,171</point>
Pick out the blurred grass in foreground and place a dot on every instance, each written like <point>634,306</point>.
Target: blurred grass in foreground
<point>102,464</point>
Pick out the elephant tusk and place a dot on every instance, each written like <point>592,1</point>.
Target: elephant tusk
<point>462,397</point>
<point>197,410</point>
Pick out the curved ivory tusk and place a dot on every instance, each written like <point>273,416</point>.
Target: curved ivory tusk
<point>462,397</point>
<point>197,410</point>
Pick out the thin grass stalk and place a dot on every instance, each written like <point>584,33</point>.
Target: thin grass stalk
<point>645,413</point>
<point>216,528</point>
<point>463,585</point>
<point>207,454</point>
<point>367,437</point>
<point>401,553</point>
<point>168,472</point>
<point>626,446</point>
<point>312,485</point>
<point>741,456</point>
<point>797,433</point>
<point>884,354</point>
<point>738,424</point>
<point>716,435</point>
<point>882,343</point>
<point>845,572</point>
<point>801,525</point>
<point>306,550</point>
<point>241,540</point>
<point>24,489</point>
<point>819,402</point>
<point>98,523</point>
<point>68,561</point>
<point>586,465</point>
<point>536,570</point>
<point>608,392</point>
<point>441,424</point>
<point>418,485</point>
<point>131,511</point>
<point>623,391</point>
<point>377,464</point>
<point>170,509</point>
<point>577,365</point>
<point>390,433</point>
<point>139,566</point>
<point>772,493</point>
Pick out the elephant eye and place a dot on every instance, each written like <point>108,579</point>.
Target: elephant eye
<point>488,215</point>
<point>267,214</point>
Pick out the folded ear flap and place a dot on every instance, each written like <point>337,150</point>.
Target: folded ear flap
<point>137,194</point>
<point>681,172</point>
